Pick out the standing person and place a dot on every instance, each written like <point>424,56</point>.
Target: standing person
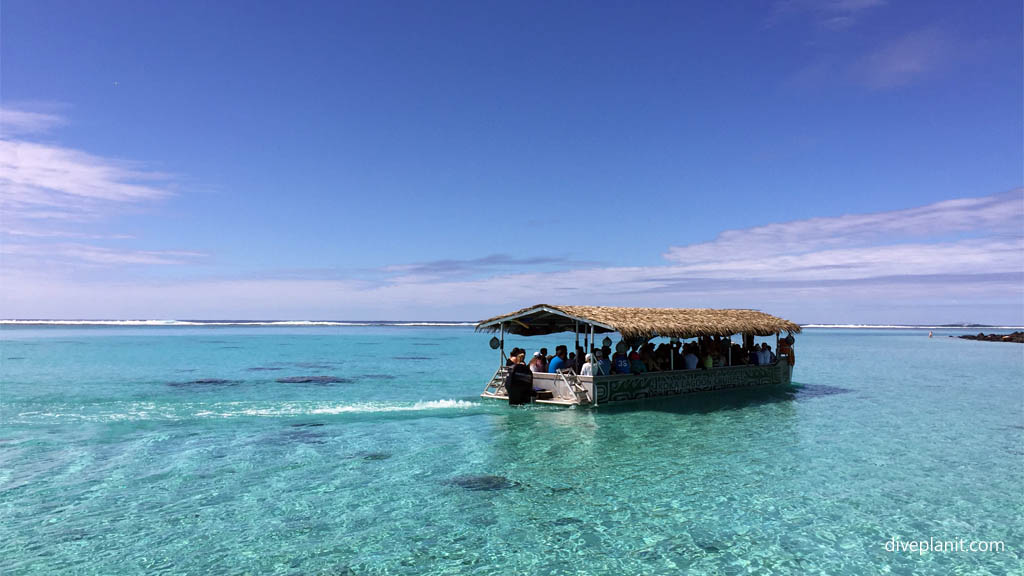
<point>544,358</point>
<point>588,367</point>
<point>580,359</point>
<point>603,362</point>
<point>620,362</point>
<point>689,358</point>
<point>519,381</point>
<point>561,359</point>
<point>512,355</point>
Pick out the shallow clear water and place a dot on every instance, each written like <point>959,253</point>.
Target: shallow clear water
<point>176,450</point>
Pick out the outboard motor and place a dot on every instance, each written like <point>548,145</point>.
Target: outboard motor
<point>519,384</point>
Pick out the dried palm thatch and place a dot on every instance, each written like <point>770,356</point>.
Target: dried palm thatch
<point>638,322</point>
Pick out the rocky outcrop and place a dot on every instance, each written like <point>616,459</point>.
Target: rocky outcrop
<point>1015,337</point>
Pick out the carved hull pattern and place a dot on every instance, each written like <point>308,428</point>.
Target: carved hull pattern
<point>655,384</point>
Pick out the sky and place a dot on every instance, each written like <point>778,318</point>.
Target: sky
<point>833,161</point>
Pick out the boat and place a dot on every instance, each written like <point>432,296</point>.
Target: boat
<point>637,327</point>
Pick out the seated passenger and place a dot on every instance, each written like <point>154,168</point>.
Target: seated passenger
<point>560,361</point>
<point>636,366</point>
<point>537,364</point>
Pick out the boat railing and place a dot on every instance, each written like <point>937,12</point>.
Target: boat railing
<point>575,385</point>
<point>497,384</point>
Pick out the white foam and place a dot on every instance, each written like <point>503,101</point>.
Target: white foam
<point>219,323</point>
<point>908,327</point>
<point>358,408</point>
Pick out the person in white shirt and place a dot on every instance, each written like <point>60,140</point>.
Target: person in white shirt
<point>588,366</point>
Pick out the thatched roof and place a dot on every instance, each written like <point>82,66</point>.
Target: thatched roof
<point>638,322</point>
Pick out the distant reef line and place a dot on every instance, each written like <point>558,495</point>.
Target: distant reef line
<point>1017,337</point>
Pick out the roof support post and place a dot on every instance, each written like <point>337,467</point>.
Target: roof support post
<point>501,359</point>
<point>730,349</point>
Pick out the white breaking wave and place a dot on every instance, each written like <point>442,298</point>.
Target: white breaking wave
<point>219,323</point>
<point>910,327</point>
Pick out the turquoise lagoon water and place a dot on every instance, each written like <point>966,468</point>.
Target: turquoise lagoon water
<point>177,450</point>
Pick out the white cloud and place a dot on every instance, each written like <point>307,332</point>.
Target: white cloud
<point>905,59</point>
<point>851,268</point>
<point>74,254</point>
<point>50,192</point>
<point>996,214</point>
<point>14,121</point>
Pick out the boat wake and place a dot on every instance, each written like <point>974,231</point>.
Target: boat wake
<point>150,411</point>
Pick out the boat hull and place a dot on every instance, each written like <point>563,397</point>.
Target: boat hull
<point>628,387</point>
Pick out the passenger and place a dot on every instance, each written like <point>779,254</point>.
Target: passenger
<point>512,355</point>
<point>620,362</point>
<point>765,356</point>
<point>537,364</point>
<point>708,362</point>
<point>580,359</point>
<point>689,358</point>
<point>647,356</point>
<point>753,357</point>
<point>588,367</point>
<point>519,381</point>
<point>603,362</point>
<point>738,358</point>
<point>786,348</point>
<point>546,358</point>
<point>636,366</point>
<point>560,360</point>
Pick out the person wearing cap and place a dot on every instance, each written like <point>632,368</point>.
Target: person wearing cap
<point>537,363</point>
<point>588,366</point>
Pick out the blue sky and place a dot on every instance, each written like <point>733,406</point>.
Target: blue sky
<point>832,161</point>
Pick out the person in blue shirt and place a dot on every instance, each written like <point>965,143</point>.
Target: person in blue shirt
<point>620,363</point>
<point>560,361</point>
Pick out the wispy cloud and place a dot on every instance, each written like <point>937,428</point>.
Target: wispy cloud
<point>827,14</point>
<point>491,264</point>
<point>906,59</point>
<point>75,254</point>
<point>947,261</point>
<point>48,192</point>
<point>15,122</point>
<point>996,214</point>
